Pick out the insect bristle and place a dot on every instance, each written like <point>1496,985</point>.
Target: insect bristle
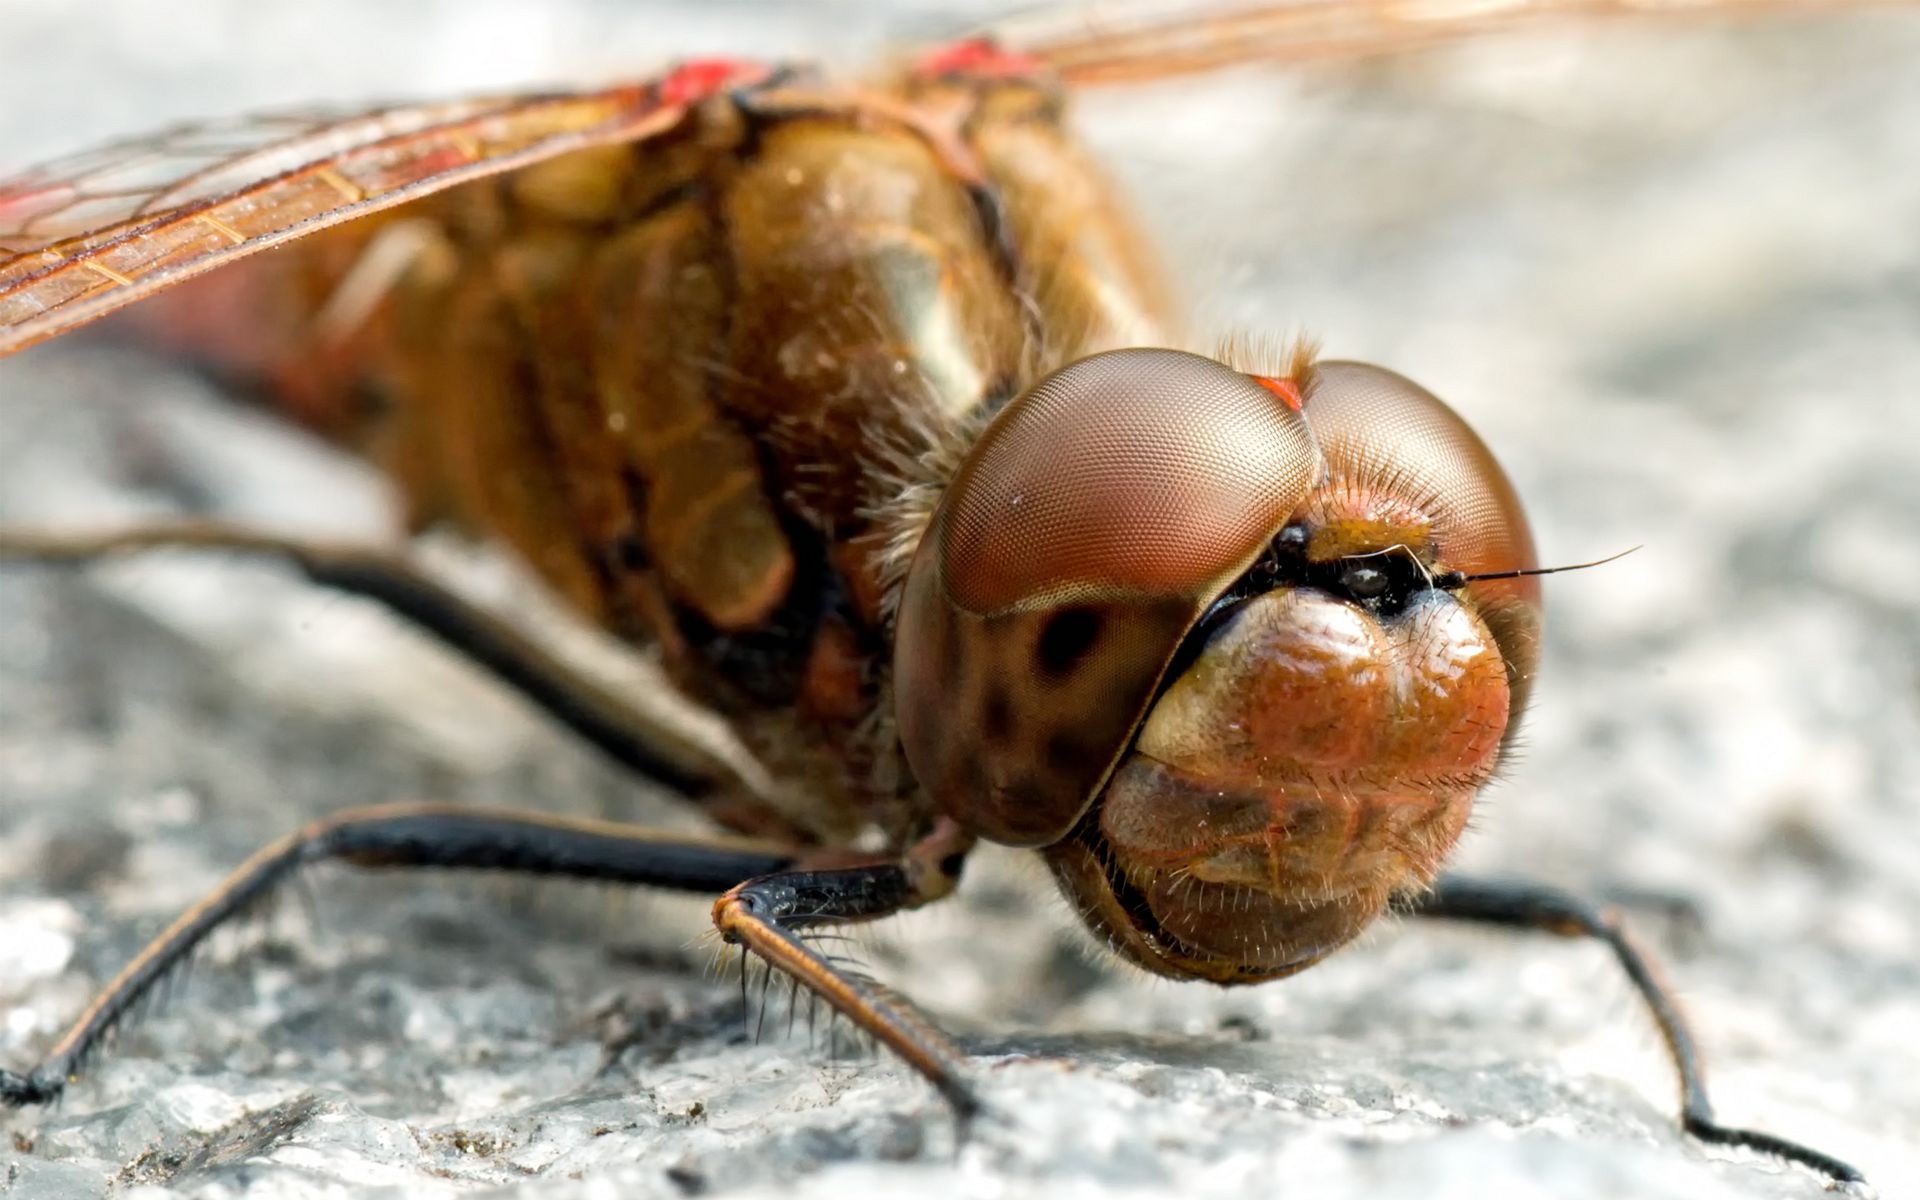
<point>719,952</point>
<point>1272,356</point>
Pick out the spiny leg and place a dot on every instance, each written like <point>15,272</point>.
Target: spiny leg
<point>766,916</point>
<point>407,835</point>
<point>1526,905</point>
<point>597,715</point>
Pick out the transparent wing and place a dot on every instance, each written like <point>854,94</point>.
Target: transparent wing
<point>1127,42</point>
<point>86,235</point>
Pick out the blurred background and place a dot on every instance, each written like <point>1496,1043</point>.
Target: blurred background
<point>1671,271</point>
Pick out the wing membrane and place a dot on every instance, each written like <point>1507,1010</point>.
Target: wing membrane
<point>85,235</point>
<point>1128,43</point>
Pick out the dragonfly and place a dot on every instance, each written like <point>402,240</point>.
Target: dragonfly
<point>838,631</point>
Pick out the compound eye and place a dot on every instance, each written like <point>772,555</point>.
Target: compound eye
<point>1127,474</point>
<point>1101,512</point>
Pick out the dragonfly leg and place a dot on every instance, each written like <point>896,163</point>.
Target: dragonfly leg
<point>405,835</point>
<point>596,714</point>
<point>768,916</point>
<point>1526,905</point>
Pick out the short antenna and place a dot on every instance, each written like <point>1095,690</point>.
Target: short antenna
<point>1454,579</point>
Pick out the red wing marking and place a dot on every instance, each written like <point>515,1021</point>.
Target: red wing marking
<point>981,57</point>
<point>695,80</point>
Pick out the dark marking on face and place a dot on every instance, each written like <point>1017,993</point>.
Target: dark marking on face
<point>1066,639</point>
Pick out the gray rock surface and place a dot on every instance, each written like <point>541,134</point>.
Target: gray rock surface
<point>1672,273</point>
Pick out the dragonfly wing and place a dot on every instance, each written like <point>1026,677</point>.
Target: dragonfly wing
<point>86,235</point>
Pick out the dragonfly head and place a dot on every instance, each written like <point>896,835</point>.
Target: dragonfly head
<point>1214,643</point>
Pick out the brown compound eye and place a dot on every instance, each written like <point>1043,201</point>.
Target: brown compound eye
<point>1091,525</point>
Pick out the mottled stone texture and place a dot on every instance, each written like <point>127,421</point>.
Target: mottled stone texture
<point>1674,277</point>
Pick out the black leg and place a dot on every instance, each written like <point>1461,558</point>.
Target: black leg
<point>767,915</point>
<point>595,714</point>
<point>412,835</point>
<point>1524,905</point>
